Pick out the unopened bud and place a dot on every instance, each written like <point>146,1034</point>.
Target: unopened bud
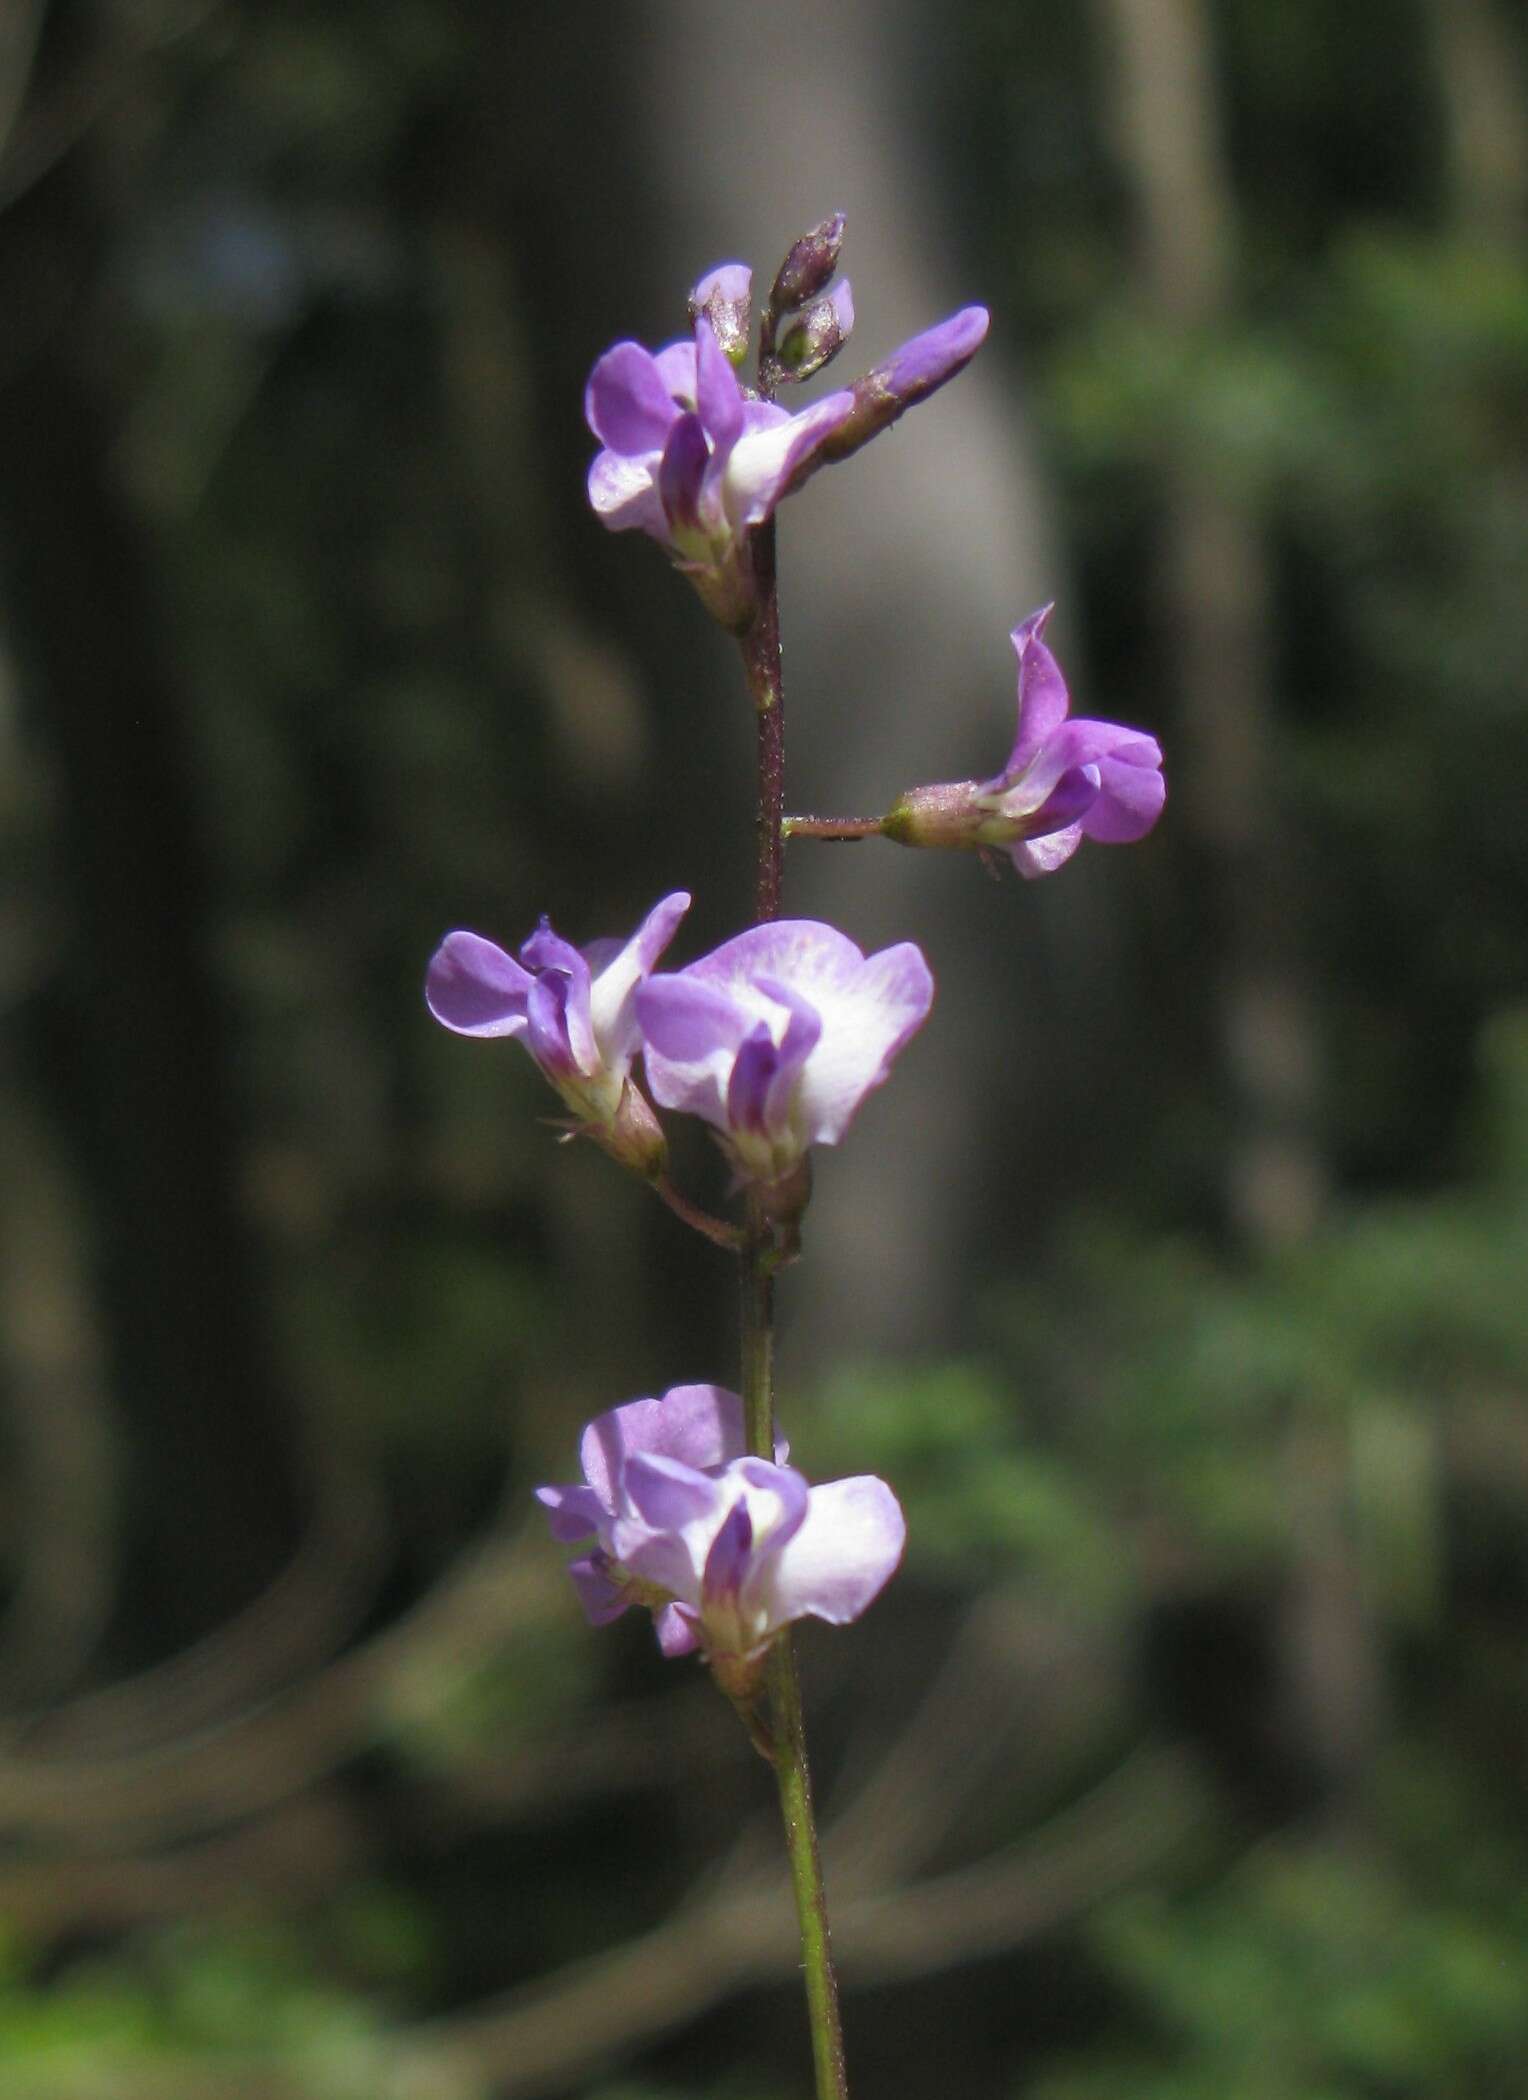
<point>909,375</point>
<point>725,296</point>
<point>817,335</point>
<point>809,267</point>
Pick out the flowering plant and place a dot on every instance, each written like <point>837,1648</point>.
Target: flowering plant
<point>687,1505</point>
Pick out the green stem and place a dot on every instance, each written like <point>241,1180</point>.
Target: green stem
<point>841,830</point>
<point>758,1258</point>
<point>795,1783</point>
<point>787,1734</point>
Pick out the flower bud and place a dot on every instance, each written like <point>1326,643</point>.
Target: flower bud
<point>918,369</point>
<point>808,268</point>
<point>817,335</point>
<point>725,296</point>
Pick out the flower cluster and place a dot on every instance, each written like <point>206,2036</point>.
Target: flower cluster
<point>774,1039</point>
<point>695,460</point>
<point>725,1550</point>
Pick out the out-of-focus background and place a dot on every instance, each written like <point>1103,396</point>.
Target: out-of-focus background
<point>1179,1281</point>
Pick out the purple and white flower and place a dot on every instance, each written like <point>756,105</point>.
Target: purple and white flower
<point>1067,778</point>
<point>689,459</point>
<point>694,460</point>
<point>777,1036</point>
<point>575,1011</point>
<point>724,1549</point>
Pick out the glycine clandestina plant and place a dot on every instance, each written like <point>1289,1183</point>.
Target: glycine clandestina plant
<point>776,1037</point>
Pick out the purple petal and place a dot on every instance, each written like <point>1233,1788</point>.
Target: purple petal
<point>681,472</point>
<point>779,1499</point>
<point>914,371</point>
<point>843,1555</point>
<point>764,1074</point>
<point>803,1032</point>
<point>1131,793</point>
<point>727,1563</point>
<point>473,987</point>
<point>572,1512</point>
<point>863,1029</point>
<point>1079,747</point>
<point>767,460</point>
<point>676,368</point>
<point>1043,698</point>
<point>602,1599</point>
<point>1034,857</point>
<point>805,953</point>
<point>558,1034</point>
<point>717,394</point>
<point>678,1630</point>
<point>624,494</point>
<point>546,950</point>
<point>626,402</point>
<point>668,1495</point>
<point>700,1425</point>
<point>617,970</point>
<point>1067,803</point>
<point>753,1071</point>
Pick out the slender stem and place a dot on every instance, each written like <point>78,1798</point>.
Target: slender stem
<point>787,1733</point>
<point>795,1782</point>
<point>758,1336</point>
<point>761,659</point>
<point>846,830</point>
<point>761,663</point>
<point>716,1230</point>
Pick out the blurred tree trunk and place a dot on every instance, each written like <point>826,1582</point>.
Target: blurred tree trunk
<point>1483,90</point>
<point>1216,621</point>
<point>212,1500</point>
<point>901,576</point>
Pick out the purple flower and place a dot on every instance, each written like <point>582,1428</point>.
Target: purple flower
<point>695,461</point>
<point>574,1010</point>
<point>689,459</point>
<point>724,1549</point>
<point>778,1035</point>
<point>1066,779</point>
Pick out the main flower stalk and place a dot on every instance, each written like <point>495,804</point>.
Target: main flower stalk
<point>787,1735</point>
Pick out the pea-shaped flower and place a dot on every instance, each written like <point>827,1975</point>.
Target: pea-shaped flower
<point>692,459</point>
<point>1067,778</point>
<point>575,1011</point>
<point>724,1549</point>
<point>777,1036</point>
<point>692,462</point>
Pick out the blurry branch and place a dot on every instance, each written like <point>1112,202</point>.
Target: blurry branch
<point>231,1765</point>
<point>296,1624</point>
<point>235,1765</point>
<point>553,2032</point>
<point>544,2037</point>
<point>966,1724</point>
